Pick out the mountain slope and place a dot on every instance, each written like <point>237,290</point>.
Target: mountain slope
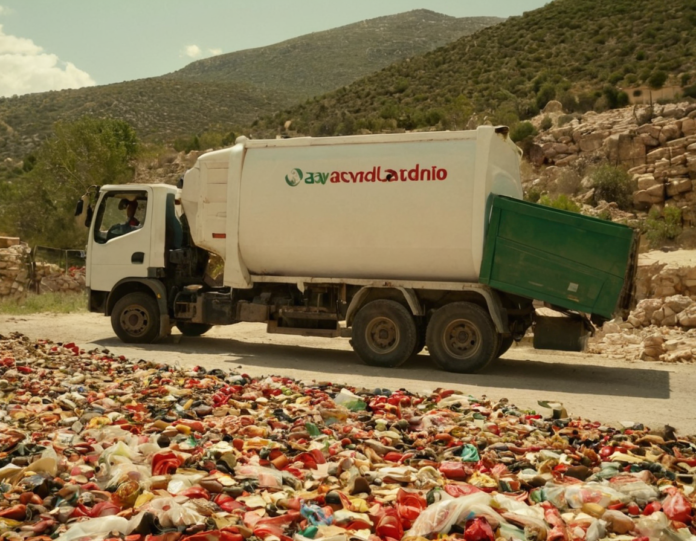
<point>323,61</point>
<point>568,50</point>
<point>159,109</point>
<point>234,89</point>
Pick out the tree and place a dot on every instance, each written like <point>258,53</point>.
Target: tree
<point>39,206</point>
<point>546,93</point>
<point>657,79</point>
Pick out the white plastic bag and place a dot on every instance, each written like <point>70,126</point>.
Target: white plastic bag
<point>96,528</point>
<point>439,517</point>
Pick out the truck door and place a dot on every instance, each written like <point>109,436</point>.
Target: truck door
<point>119,243</point>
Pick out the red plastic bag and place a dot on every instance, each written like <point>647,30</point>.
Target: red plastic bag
<point>389,526</point>
<point>677,507</point>
<point>454,470</point>
<point>165,463</point>
<point>478,530</point>
<point>194,493</point>
<point>457,491</point>
<point>408,506</point>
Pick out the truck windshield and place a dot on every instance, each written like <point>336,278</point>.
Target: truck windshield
<point>120,213</point>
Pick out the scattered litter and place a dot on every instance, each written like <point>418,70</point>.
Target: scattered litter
<point>96,446</point>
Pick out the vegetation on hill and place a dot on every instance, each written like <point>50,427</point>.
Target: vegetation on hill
<point>581,52</point>
<point>316,63</point>
<point>224,92</point>
<point>39,204</point>
<point>159,109</point>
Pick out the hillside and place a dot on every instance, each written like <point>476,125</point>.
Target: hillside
<point>232,90</point>
<point>160,109</point>
<point>323,61</point>
<point>577,51</point>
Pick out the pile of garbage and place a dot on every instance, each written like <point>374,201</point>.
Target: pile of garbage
<point>96,446</point>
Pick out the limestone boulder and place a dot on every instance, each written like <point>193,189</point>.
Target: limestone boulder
<point>670,132</point>
<point>688,317</point>
<point>688,126</point>
<point>625,149</point>
<point>678,186</point>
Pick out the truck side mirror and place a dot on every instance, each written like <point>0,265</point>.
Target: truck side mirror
<point>80,207</point>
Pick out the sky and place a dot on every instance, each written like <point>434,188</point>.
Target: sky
<point>57,44</point>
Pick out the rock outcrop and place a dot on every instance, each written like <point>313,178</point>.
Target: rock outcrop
<point>18,275</point>
<point>657,144</point>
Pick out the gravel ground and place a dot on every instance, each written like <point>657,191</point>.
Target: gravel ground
<point>591,386</point>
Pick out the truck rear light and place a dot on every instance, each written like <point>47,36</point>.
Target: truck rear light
<point>219,235</point>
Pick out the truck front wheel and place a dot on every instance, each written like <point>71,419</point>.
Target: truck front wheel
<point>384,334</point>
<point>461,337</point>
<point>136,318</point>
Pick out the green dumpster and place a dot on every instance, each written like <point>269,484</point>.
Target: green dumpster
<point>565,259</point>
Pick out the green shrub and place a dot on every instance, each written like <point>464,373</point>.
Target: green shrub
<point>657,79</point>
<point>561,202</point>
<point>547,123</point>
<point>659,229</point>
<point>522,131</point>
<point>613,184</point>
<point>564,119</point>
<point>532,195</point>
<point>546,93</point>
<point>605,215</point>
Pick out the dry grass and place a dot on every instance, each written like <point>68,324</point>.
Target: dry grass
<point>55,303</point>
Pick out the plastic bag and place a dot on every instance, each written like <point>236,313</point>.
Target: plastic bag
<point>653,525</point>
<point>267,477</point>
<point>478,530</point>
<point>676,506</point>
<point>637,491</point>
<point>470,453</point>
<point>596,531</point>
<point>350,401</point>
<point>95,528</point>
<point>409,506</point>
<point>389,525</point>
<point>439,517</point>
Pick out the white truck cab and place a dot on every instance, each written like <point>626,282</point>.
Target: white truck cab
<point>132,228</point>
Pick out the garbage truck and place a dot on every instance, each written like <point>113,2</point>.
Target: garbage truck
<point>397,241</point>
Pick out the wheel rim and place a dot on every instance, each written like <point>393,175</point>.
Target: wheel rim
<point>382,335</point>
<point>135,320</point>
<point>462,339</point>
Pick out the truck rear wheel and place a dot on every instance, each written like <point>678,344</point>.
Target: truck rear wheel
<point>384,334</point>
<point>461,337</point>
<point>420,338</point>
<point>193,329</point>
<point>136,318</point>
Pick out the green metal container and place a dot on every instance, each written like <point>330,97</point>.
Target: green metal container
<point>562,258</point>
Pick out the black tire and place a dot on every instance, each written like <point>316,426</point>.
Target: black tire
<point>505,344</point>
<point>193,329</point>
<point>384,334</point>
<point>462,338</point>
<point>136,318</point>
<point>420,338</point>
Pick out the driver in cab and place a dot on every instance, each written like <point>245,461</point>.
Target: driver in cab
<point>131,208</point>
<point>131,223</point>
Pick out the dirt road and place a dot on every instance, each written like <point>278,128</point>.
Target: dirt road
<point>610,391</point>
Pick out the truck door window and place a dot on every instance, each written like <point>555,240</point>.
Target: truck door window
<point>120,213</point>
